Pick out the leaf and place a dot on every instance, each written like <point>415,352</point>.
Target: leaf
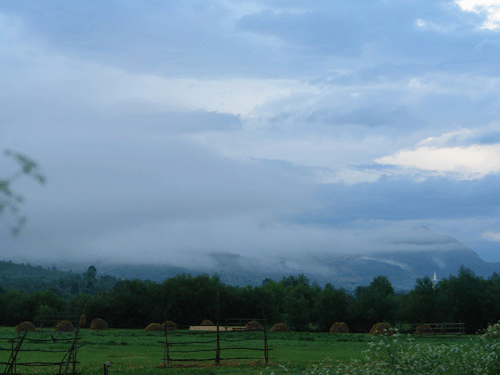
<point>28,165</point>
<point>41,179</point>
<point>4,187</point>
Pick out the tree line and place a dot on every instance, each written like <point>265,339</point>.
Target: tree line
<point>188,300</point>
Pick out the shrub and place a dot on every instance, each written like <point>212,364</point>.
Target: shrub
<point>381,329</point>
<point>154,327</point>
<point>64,326</point>
<point>279,327</point>
<point>25,327</point>
<point>339,327</point>
<point>253,326</point>
<point>493,331</point>
<point>98,324</point>
<point>207,322</point>
<point>170,326</point>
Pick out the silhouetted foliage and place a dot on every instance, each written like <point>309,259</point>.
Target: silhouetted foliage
<point>188,300</point>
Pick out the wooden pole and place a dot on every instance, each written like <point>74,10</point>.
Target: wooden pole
<point>166,352</point>
<point>217,350</point>
<point>266,354</point>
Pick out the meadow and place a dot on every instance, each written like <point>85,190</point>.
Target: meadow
<point>131,351</point>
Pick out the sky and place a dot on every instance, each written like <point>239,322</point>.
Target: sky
<point>171,130</point>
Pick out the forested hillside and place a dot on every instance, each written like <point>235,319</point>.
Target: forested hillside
<point>28,278</point>
<point>189,300</point>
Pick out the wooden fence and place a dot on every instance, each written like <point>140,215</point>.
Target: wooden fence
<point>214,345</point>
<point>441,329</point>
<point>65,366</point>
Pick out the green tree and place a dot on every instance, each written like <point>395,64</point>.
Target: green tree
<point>331,307</point>
<point>463,298</point>
<point>374,303</point>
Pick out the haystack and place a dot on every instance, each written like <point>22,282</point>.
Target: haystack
<point>82,320</point>
<point>25,327</point>
<point>154,327</point>
<point>339,327</point>
<point>98,324</point>
<point>279,327</point>
<point>170,326</point>
<point>207,322</point>
<point>64,326</point>
<point>381,329</point>
<point>423,329</point>
<point>253,326</point>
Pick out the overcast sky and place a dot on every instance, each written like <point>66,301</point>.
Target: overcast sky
<point>172,129</point>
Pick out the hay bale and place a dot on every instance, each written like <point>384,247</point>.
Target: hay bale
<point>154,327</point>
<point>25,327</point>
<point>382,329</point>
<point>82,320</point>
<point>279,327</point>
<point>64,326</point>
<point>98,324</point>
<point>253,326</point>
<point>207,322</point>
<point>339,327</point>
<point>170,326</point>
<point>423,329</point>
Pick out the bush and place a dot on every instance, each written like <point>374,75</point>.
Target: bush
<point>381,329</point>
<point>25,327</point>
<point>170,326</point>
<point>154,327</point>
<point>493,331</point>
<point>279,327</point>
<point>98,324</point>
<point>339,327</point>
<point>64,326</point>
<point>253,326</point>
<point>207,322</point>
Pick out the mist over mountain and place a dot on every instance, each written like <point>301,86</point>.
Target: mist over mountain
<point>402,257</point>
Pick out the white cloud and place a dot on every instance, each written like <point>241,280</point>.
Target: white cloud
<point>467,163</point>
<point>491,236</point>
<point>490,7</point>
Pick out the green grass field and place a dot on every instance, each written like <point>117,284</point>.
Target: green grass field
<point>138,352</point>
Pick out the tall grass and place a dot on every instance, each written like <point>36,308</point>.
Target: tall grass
<point>403,354</point>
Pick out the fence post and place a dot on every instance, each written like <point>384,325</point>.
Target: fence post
<point>11,365</point>
<point>217,349</point>
<point>266,354</point>
<point>166,352</point>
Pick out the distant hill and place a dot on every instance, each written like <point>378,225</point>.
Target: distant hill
<point>402,257</point>
<point>28,278</point>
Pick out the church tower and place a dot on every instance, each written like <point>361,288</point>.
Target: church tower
<point>434,280</point>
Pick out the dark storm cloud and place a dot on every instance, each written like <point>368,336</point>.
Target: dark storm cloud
<point>162,136</point>
<point>312,30</point>
<point>395,199</point>
<point>205,38</point>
